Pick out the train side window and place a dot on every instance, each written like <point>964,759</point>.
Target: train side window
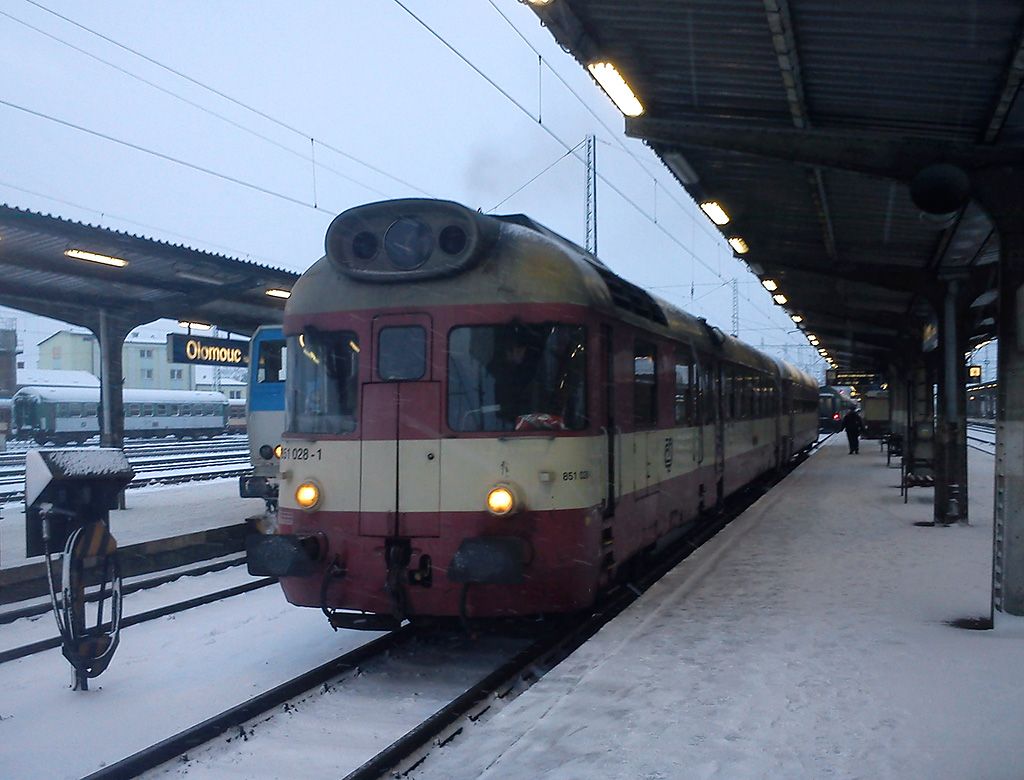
<point>161,410</point>
<point>645,383</point>
<point>74,410</point>
<point>402,353</point>
<point>272,361</point>
<point>686,394</point>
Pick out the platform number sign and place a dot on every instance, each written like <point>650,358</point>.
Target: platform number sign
<point>974,374</point>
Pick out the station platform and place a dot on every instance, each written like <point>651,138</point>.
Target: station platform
<point>809,639</point>
<point>153,513</point>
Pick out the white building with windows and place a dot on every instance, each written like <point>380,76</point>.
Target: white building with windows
<point>234,389</point>
<point>144,359</point>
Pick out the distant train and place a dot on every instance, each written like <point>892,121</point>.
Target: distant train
<point>483,420</point>
<point>65,415</point>
<point>981,401</point>
<point>5,422</point>
<point>832,408</point>
<point>236,415</point>
<point>265,412</point>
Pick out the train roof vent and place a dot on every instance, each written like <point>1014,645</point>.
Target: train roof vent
<point>631,298</point>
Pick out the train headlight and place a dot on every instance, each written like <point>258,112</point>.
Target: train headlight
<point>277,451</point>
<point>307,495</point>
<point>266,452</point>
<point>501,501</point>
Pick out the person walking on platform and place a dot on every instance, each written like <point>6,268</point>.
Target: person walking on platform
<point>853,425</point>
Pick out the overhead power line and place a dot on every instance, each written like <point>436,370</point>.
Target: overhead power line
<point>270,118</point>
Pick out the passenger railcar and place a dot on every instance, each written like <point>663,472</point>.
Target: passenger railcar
<point>236,415</point>
<point>981,401</point>
<point>482,419</point>
<point>268,355</point>
<point>875,414</point>
<point>832,408</point>
<point>62,415</point>
<point>5,422</point>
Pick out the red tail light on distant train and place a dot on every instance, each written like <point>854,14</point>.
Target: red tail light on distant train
<point>835,416</point>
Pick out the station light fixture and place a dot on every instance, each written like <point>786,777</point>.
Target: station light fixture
<point>715,212</point>
<point>770,285</point>
<point>194,325</point>
<point>780,299</point>
<point>739,246</point>
<point>616,87</point>
<point>796,318</point>
<point>93,257</point>
<point>275,292</point>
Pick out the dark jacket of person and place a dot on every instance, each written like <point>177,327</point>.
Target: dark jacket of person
<point>852,424</point>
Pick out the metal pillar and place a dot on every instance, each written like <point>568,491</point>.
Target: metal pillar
<point>111,334</point>
<point>1001,191</point>
<point>950,505</point>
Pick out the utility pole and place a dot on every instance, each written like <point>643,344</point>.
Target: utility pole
<point>735,308</point>
<point>591,195</point>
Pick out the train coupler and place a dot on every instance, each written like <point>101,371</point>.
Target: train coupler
<point>282,555</point>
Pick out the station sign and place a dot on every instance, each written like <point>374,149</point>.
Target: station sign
<point>203,351</point>
<point>973,374</point>
<point>851,378</point>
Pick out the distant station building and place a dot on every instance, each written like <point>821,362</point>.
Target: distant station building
<point>144,359</point>
<point>234,389</point>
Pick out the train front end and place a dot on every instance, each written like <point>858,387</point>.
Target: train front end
<point>438,459</point>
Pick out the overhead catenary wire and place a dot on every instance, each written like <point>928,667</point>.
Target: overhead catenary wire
<point>564,144</point>
<point>269,117</point>
<point>194,104</point>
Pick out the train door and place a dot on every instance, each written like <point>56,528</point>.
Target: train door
<point>400,480</point>
<point>719,405</point>
<point>698,380</point>
<point>610,427</point>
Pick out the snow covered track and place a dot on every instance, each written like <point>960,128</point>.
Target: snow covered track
<point>982,438</point>
<point>165,463</point>
<point>143,617</point>
<point>213,727</point>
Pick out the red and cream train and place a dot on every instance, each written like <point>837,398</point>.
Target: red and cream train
<point>483,419</point>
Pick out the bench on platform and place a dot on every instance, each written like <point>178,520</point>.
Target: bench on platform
<point>916,472</point>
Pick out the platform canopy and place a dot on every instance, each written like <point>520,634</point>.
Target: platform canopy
<point>134,279</point>
<point>810,123</point>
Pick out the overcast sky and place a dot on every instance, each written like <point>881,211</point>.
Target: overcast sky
<point>465,112</point>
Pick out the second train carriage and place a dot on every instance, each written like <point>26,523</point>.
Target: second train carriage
<point>268,354</point>
<point>484,419</point>
<point>62,415</point>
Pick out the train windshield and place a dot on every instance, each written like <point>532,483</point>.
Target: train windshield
<point>323,372</point>
<point>518,377</point>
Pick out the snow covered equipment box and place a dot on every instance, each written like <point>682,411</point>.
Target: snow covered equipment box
<point>68,488</point>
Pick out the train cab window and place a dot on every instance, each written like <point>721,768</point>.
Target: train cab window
<point>323,384</point>
<point>518,377</point>
<point>402,353</point>
<point>645,383</point>
<point>273,357</point>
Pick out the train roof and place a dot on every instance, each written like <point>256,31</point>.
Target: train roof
<point>131,395</point>
<point>505,260</point>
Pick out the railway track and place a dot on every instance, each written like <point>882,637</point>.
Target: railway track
<point>153,463</point>
<point>518,664</point>
<point>981,438</point>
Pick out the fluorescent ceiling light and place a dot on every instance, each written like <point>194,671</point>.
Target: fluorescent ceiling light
<point>194,325</point>
<point>780,299</point>
<point>616,87</point>
<point>739,245</point>
<point>715,212</point>
<point>796,318</point>
<point>770,285</point>
<point>93,257</point>
<point>540,2</point>
<point>276,293</point>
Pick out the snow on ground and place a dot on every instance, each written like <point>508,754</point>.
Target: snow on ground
<point>166,675</point>
<point>155,512</point>
<point>807,640</point>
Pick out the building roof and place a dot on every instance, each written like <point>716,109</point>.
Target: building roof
<point>161,280</point>
<point>53,377</point>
